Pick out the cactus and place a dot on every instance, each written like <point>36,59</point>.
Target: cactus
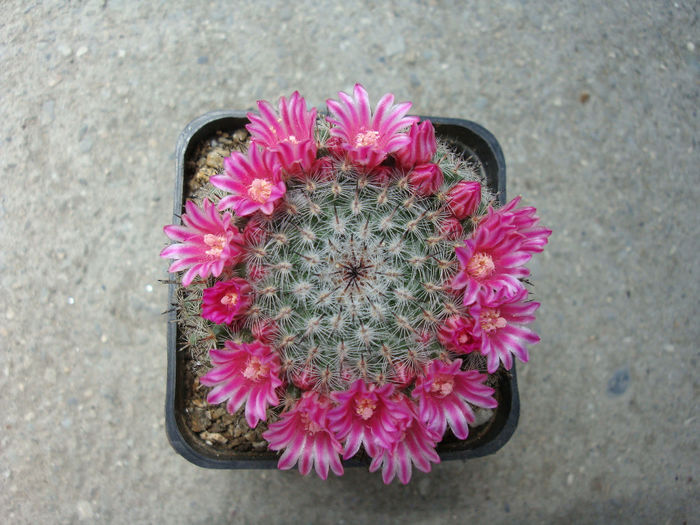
<point>354,274</point>
<point>365,268</point>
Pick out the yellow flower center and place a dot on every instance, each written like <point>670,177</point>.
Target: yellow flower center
<point>442,385</point>
<point>480,265</point>
<point>229,299</point>
<point>365,408</point>
<point>309,426</point>
<point>366,138</point>
<point>216,244</point>
<point>255,369</point>
<point>491,320</point>
<point>260,190</point>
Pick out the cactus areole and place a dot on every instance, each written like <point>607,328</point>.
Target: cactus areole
<point>353,284</point>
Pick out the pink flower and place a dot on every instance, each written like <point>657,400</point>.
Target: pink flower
<point>488,264</point>
<point>305,435</point>
<point>463,198</point>
<point>425,179</point>
<point>444,394</point>
<point>420,149</point>
<point>498,324</point>
<point>457,335</point>
<point>244,373</point>
<point>451,228</point>
<point>414,446</point>
<point>226,301</point>
<point>535,237</point>
<point>289,133</point>
<point>253,180</point>
<point>366,414</point>
<point>368,138</point>
<point>206,244</point>
<point>492,261</point>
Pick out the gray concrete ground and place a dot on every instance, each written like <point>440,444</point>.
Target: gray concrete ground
<point>595,104</point>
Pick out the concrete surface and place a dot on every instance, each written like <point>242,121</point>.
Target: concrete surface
<point>595,104</point>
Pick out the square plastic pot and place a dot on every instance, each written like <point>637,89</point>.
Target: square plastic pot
<point>478,145</point>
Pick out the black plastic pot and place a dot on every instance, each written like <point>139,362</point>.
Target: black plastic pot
<point>477,144</point>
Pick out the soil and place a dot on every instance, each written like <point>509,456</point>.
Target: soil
<point>209,155</point>
<point>213,424</point>
<point>229,433</point>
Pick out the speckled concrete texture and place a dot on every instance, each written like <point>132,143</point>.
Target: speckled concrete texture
<point>595,104</point>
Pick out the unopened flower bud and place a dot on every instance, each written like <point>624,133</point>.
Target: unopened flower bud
<point>463,198</point>
<point>425,179</point>
<point>451,228</point>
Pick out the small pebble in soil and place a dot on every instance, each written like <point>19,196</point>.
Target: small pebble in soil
<point>213,437</point>
<point>200,420</point>
<point>481,416</point>
<point>209,156</point>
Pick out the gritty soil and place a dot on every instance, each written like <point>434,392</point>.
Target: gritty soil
<point>213,424</point>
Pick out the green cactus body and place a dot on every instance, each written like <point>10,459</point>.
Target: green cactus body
<point>354,273</point>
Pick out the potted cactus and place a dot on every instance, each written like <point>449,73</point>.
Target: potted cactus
<point>345,288</point>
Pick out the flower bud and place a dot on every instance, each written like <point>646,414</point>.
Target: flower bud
<point>464,198</point>
<point>425,179</point>
<point>264,331</point>
<point>254,232</point>
<point>304,378</point>
<point>421,148</point>
<point>403,375</point>
<point>451,228</point>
